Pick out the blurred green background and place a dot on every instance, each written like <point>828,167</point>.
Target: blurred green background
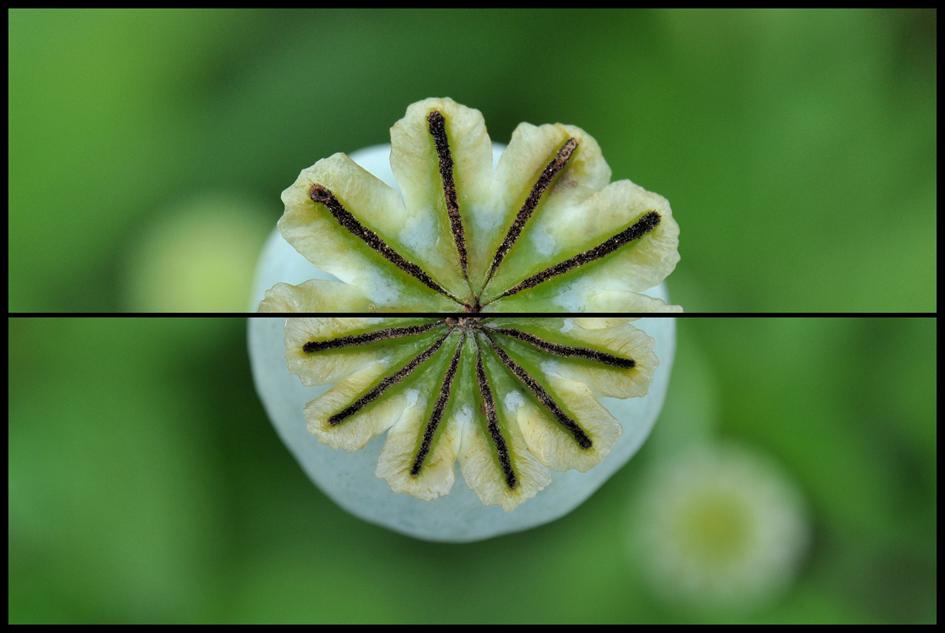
<point>146,485</point>
<point>797,147</point>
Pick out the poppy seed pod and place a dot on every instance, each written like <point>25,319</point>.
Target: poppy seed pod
<point>534,412</point>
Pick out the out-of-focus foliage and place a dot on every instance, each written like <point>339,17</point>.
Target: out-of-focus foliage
<point>797,147</point>
<point>147,485</point>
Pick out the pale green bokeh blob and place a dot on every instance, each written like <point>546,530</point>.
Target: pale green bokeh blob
<point>197,256</point>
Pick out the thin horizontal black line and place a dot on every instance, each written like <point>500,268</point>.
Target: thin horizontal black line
<point>503,7</point>
<point>431,315</point>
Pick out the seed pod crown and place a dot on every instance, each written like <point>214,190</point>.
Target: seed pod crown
<point>544,230</point>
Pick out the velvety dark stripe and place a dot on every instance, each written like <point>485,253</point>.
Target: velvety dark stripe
<point>437,127</point>
<point>323,196</point>
<point>368,337</point>
<point>525,378</point>
<point>446,390</point>
<point>568,350</point>
<point>531,202</point>
<point>488,405</point>
<point>640,228</point>
<point>387,383</point>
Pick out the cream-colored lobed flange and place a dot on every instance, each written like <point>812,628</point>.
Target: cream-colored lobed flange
<point>348,477</point>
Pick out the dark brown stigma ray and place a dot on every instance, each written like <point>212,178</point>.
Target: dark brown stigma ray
<point>488,405</point>
<point>368,337</point>
<point>531,202</point>
<point>387,382</point>
<point>568,350</point>
<point>324,196</point>
<point>543,396</point>
<point>446,390</point>
<point>638,229</point>
<point>437,126</point>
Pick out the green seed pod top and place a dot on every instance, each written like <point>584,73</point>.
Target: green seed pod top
<point>540,231</point>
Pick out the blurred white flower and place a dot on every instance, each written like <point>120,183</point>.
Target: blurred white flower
<point>720,527</point>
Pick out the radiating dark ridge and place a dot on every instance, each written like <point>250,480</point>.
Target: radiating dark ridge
<point>368,337</point>
<point>637,230</point>
<point>387,382</point>
<point>323,196</point>
<point>519,372</point>
<point>568,350</point>
<point>437,126</point>
<point>488,405</point>
<point>446,389</point>
<point>528,207</point>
